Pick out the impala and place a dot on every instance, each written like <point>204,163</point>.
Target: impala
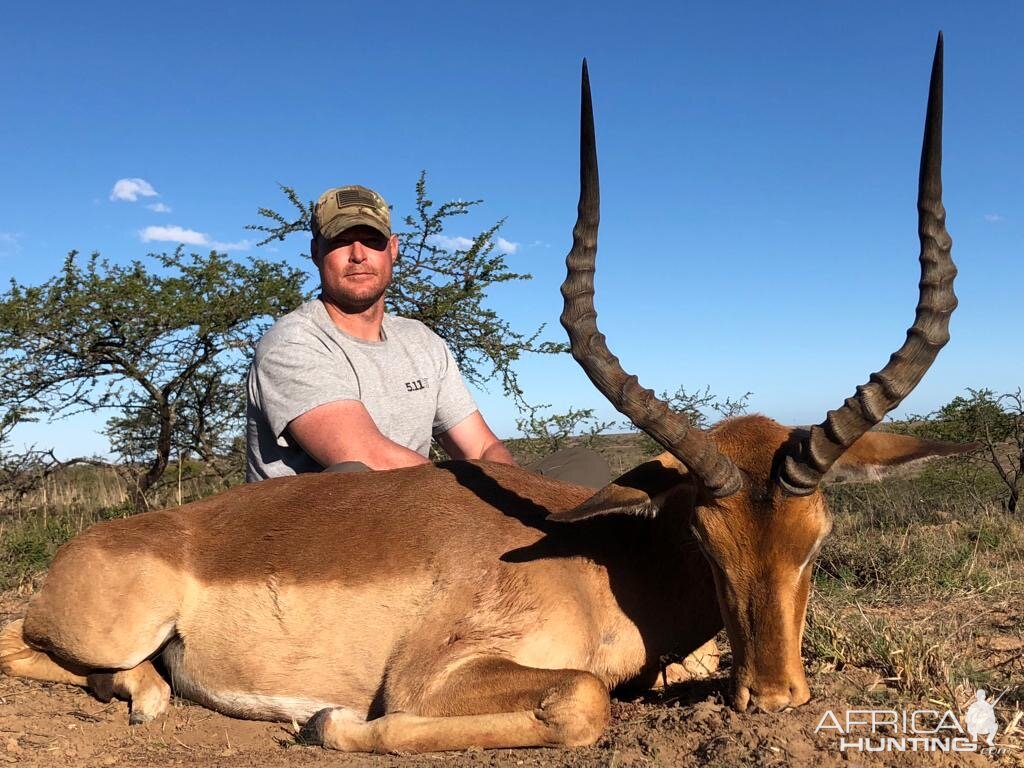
<point>473,604</point>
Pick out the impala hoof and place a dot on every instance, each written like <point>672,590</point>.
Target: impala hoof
<point>312,733</point>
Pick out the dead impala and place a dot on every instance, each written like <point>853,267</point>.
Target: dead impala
<point>476,604</point>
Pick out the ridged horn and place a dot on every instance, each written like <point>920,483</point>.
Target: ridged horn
<point>802,469</point>
<point>670,429</point>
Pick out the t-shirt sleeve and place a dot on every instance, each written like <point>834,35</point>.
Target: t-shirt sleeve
<point>292,375</point>
<point>454,402</point>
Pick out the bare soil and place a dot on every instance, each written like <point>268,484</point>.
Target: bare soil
<point>45,724</point>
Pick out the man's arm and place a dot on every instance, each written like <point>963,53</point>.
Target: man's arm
<point>345,431</point>
<point>471,438</point>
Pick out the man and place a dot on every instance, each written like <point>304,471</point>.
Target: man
<point>340,384</point>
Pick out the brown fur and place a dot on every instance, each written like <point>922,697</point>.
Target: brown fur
<point>451,593</point>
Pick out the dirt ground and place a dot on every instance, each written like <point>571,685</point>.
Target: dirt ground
<point>54,725</point>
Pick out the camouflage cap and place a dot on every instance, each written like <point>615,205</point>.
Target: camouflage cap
<point>340,208</point>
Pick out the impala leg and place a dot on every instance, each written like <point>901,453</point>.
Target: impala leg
<point>490,703</point>
<point>19,659</point>
<point>700,664</point>
<point>142,685</point>
<point>147,693</point>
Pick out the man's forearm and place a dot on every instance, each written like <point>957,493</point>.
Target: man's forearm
<point>385,454</point>
<point>499,453</point>
<point>343,431</point>
<point>471,438</point>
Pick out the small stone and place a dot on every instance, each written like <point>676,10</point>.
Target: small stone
<point>13,746</point>
<point>108,760</point>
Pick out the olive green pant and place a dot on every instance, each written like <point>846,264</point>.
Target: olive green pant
<point>581,466</point>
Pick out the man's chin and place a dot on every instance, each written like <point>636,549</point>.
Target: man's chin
<point>353,304</point>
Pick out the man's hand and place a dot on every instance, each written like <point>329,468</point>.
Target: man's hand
<point>471,438</point>
<point>345,431</point>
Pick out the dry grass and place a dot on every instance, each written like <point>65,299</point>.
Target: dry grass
<point>915,650</point>
<point>911,583</point>
<point>87,488</point>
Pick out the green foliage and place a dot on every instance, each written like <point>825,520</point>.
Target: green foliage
<point>25,551</point>
<point>994,421</point>
<point>165,350</point>
<point>18,469</point>
<point>925,495</point>
<point>13,407</point>
<point>965,419</point>
<point>543,434</point>
<point>445,288</point>
<point>699,407</point>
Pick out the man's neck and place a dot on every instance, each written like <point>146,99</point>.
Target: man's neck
<point>363,325</point>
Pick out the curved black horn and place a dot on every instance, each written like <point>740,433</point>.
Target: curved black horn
<point>803,468</point>
<point>670,429</point>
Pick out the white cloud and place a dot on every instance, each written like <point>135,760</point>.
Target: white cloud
<point>465,243</point>
<point>176,234</point>
<point>506,246</point>
<point>131,190</point>
<point>159,207</point>
<point>993,217</point>
<point>451,243</point>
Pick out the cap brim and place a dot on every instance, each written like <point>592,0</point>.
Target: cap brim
<point>339,224</point>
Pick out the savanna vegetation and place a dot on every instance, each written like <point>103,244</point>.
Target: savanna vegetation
<point>917,590</point>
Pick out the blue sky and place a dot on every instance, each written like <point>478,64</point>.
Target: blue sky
<point>758,166</point>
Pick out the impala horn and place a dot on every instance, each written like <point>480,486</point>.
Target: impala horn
<point>670,429</point>
<point>805,464</point>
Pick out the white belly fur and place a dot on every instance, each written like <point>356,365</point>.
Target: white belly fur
<point>243,704</point>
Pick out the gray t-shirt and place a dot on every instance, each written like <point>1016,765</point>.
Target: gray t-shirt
<point>408,382</point>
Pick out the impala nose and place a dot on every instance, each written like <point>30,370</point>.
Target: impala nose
<point>772,698</point>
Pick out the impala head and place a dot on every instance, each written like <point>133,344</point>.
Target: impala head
<point>750,486</point>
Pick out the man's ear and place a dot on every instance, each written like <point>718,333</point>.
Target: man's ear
<point>877,454</point>
<point>314,252</point>
<point>393,249</point>
<point>641,491</point>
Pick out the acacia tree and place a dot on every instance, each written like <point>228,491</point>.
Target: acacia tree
<point>445,288</point>
<point>701,407</point>
<point>165,350</point>
<point>207,423</point>
<point>20,470</point>
<point>995,422</point>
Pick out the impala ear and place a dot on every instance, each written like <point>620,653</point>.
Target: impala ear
<point>877,454</point>
<point>641,491</point>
